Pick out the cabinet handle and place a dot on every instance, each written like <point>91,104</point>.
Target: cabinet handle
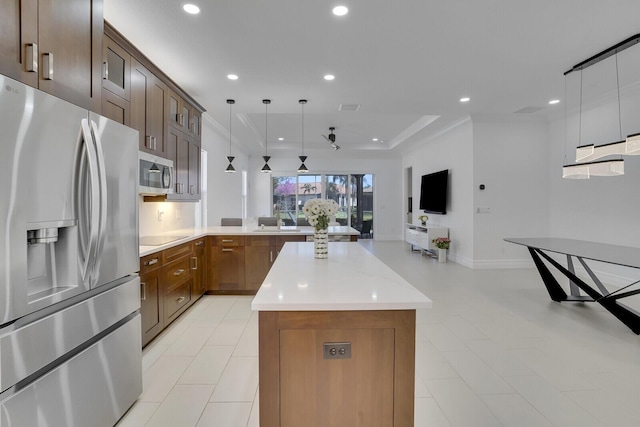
<point>227,240</point>
<point>195,262</point>
<point>227,250</point>
<point>178,272</point>
<point>199,243</point>
<point>270,256</point>
<point>151,261</point>
<point>150,142</point>
<point>180,299</point>
<point>47,66</point>
<point>143,291</point>
<point>192,189</point>
<point>105,70</point>
<point>31,57</point>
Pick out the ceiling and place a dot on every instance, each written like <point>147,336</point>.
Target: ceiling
<point>405,63</point>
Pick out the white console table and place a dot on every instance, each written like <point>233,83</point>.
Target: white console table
<point>421,236</point>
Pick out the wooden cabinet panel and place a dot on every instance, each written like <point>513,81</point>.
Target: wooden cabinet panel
<point>116,76</point>
<point>151,305</point>
<point>18,27</point>
<point>116,108</point>
<point>151,297</point>
<point>178,151</point>
<point>176,300</point>
<point>177,271</point>
<point>225,269</point>
<point>199,269</point>
<point>375,387</point>
<point>147,103</point>
<point>176,252</point>
<point>318,392</point>
<point>258,262</point>
<point>54,45</point>
<point>70,37</point>
<point>194,170</point>
<point>228,268</point>
<point>227,240</point>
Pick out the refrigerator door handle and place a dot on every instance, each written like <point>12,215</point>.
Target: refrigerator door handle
<point>102,200</point>
<point>88,199</point>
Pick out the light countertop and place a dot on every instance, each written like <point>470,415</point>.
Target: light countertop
<point>185,235</point>
<point>350,279</point>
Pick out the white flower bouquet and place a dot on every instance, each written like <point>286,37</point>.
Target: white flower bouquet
<point>318,212</point>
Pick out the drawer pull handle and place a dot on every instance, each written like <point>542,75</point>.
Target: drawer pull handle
<point>180,300</point>
<point>151,261</point>
<point>227,250</point>
<point>143,297</point>
<point>199,243</point>
<point>227,240</point>
<point>178,272</point>
<point>195,263</point>
<point>47,66</point>
<point>31,58</point>
<point>270,256</point>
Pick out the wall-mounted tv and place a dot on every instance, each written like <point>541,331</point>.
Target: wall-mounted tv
<point>433,192</point>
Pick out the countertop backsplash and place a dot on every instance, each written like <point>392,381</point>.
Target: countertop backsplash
<point>162,217</point>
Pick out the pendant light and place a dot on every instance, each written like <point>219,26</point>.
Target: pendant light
<point>585,166</point>
<point>266,157</point>
<point>230,168</point>
<point>303,158</point>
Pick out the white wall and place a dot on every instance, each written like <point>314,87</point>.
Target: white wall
<point>224,190</point>
<point>453,150</point>
<point>510,159</point>
<point>387,185</point>
<point>173,216</point>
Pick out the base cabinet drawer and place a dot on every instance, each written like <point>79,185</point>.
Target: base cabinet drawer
<point>176,299</point>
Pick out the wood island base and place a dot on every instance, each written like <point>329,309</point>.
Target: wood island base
<point>300,386</point>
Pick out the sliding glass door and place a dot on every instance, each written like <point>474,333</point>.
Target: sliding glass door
<point>352,192</point>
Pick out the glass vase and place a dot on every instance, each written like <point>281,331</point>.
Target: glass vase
<point>321,243</point>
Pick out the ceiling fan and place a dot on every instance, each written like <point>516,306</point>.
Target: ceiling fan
<point>331,139</point>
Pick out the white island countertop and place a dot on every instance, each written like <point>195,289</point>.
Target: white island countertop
<point>350,279</point>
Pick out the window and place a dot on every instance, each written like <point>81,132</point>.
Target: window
<point>352,192</point>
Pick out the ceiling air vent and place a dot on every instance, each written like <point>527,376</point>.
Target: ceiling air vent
<point>528,110</point>
<point>348,107</point>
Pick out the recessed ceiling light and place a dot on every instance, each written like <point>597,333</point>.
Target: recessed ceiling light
<point>191,8</point>
<point>232,76</point>
<point>329,77</point>
<point>554,101</point>
<point>465,99</point>
<point>281,139</point>
<point>375,139</point>
<point>340,10</point>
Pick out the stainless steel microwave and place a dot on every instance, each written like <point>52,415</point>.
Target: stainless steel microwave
<point>156,175</point>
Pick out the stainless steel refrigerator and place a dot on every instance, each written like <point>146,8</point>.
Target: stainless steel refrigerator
<point>70,342</point>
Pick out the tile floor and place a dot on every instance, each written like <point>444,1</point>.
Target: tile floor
<point>493,351</point>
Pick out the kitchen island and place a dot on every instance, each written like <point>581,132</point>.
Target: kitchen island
<point>336,340</point>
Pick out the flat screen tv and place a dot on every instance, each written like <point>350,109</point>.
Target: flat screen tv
<point>433,192</point>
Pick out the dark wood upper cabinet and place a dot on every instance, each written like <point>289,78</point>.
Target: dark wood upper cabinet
<point>116,69</point>
<point>56,46</point>
<point>148,94</point>
<point>18,22</point>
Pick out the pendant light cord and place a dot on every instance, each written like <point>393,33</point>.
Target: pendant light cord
<point>230,128</point>
<point>302,104</point>
<point>580,119</point>
<point>266,129</point>
<point>619,110</point>
<point>565,119</point>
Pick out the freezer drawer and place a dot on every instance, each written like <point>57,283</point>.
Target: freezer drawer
<point>28,348</point>
<point>94,388</point>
